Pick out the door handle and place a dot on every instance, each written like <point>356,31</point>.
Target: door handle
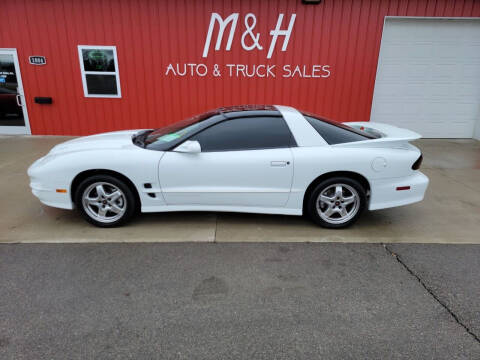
<point>279,163</point>
<point>18,97</point>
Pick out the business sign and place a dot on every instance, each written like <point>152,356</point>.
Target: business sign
<point>250,41</point>
<point>37,60</point>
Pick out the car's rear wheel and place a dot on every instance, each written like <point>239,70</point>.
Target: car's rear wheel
<point>336,202</point>
<point>105,201</point>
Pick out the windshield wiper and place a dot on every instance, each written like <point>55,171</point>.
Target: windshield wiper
<point>139,139</point>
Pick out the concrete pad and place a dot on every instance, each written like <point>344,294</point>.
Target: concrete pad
<point>450,212</point>
<point>450,153</point>
<point>469,179</point>
<point>50,225</point>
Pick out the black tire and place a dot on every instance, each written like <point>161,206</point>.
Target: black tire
<point>126,202</point>
<point>318,214</point>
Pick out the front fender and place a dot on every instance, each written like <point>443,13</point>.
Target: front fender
<point>58,171</point>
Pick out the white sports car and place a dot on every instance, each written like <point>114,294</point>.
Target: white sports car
<point>257,159</point>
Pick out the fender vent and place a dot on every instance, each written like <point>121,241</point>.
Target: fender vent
<point>151,195</point>
<point>147,186</point>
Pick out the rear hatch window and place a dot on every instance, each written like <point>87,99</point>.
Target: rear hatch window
<point>337,133</point>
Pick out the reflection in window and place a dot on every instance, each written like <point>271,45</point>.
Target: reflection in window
<point>99,69</point>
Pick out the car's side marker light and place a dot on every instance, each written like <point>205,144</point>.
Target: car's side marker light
<point>403,188</point>
<point>61,190</point>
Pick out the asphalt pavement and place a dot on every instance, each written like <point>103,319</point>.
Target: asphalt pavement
<point>239,301</point>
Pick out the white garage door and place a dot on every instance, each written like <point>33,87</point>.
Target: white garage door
<point>428,76</point>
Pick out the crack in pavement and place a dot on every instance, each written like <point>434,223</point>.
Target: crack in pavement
<point>430,291</point>
<point>216,226</point>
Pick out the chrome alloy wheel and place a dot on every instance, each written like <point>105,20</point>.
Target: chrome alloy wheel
<point>104,202</point>
<point>338,203</point>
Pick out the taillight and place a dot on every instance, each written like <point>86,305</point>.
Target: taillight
<point>416,164</point>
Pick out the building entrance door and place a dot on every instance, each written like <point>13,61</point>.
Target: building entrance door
<point>13,110</point>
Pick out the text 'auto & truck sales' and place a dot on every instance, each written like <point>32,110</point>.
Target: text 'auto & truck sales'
<point>249,41</point>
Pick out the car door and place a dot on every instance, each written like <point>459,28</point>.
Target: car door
<point>243,162</point>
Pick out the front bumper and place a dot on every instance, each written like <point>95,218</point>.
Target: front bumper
<point>384,193</point>
<point>44,187</point>
<point>51,197</point>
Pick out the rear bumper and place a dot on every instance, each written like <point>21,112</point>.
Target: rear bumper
<point>384,193</point>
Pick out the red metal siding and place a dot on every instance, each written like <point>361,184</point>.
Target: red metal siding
<point>150,34</point>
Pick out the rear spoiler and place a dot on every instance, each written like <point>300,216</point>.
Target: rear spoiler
<point>385,134</point>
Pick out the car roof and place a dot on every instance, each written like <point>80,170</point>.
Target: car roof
<point>231,112</point>
<point>251,107</point>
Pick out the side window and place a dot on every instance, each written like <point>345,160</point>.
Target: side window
<point>247,133</point>
<point>334,134</point>
<point>99,69</point>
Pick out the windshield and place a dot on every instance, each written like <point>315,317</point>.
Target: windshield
<point>165,137</point>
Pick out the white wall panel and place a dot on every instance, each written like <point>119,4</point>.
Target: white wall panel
<point>428,76</point>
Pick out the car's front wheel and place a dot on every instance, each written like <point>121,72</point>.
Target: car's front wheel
<point>336,202</point>
<point>105,201</point>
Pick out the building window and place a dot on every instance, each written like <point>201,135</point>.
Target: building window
<point>99,68</point>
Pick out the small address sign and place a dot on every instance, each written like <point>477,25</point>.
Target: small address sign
<point>37,60</point>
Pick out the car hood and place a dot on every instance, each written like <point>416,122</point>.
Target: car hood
<point>110,140</point>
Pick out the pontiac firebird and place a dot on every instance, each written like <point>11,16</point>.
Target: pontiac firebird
<point>256,159</point>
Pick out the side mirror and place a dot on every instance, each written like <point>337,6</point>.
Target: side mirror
<point>189,146</point>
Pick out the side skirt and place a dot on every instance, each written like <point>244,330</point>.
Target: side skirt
<point>240,209</point>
